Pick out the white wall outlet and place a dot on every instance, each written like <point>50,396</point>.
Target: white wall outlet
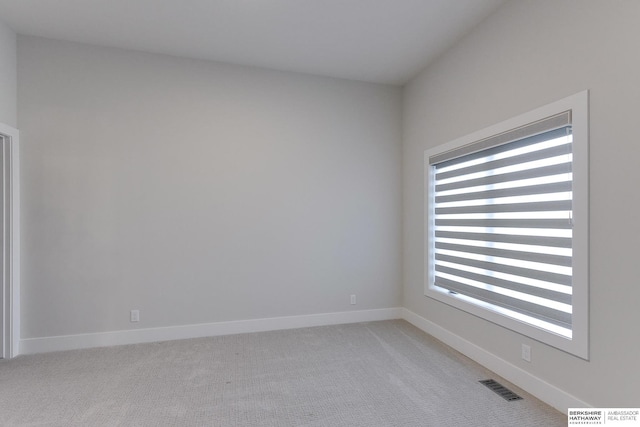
<point>135,316</point>
<point>526,352</point>
<point>353,300</point>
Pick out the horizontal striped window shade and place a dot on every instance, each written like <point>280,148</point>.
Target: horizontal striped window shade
<point>502,232</point>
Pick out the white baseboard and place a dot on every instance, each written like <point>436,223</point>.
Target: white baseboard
<point>541,389</point>
<point>136,336</point>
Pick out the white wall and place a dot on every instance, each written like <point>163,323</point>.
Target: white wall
<point>200,192</point>
<point>8,76</point>
<point>529,53</point>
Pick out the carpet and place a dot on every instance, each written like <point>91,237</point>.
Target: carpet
<point>386,373</point>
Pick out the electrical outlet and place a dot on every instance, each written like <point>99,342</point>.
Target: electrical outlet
<point>353,300</point>
<point>526,352</point>
<point>135,316</point>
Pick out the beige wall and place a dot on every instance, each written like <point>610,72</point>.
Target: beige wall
<point>528,54</point>
<point>8,76</point>
<point>200,192</point>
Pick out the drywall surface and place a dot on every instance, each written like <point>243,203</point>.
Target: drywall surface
<point>530,53</point>
<point>200,192</point>
<point>8,76</point>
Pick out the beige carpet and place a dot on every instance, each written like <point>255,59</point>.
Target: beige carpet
<point>369,374</point>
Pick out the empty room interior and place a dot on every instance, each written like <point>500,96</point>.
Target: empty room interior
<point>244,212</point>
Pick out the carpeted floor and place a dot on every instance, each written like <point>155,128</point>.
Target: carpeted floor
<point>369,374</point>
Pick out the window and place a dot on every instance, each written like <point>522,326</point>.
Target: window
<point>507,224</point>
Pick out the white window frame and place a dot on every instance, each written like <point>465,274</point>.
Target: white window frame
<point>578,344</point>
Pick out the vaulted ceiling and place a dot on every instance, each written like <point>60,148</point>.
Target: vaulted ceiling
<point>383,41</point>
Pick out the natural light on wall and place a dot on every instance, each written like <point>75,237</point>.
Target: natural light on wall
<point>507,224</point>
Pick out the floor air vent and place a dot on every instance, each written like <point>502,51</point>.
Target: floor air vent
<point>501,390</point>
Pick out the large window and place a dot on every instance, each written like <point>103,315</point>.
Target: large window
<point>507,224</point>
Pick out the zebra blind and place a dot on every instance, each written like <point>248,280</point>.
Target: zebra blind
<point>502,229</point>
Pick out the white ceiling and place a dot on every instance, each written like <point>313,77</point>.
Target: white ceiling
<point>384,41</point>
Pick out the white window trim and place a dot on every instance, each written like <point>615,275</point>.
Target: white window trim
<point>579,343</point>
